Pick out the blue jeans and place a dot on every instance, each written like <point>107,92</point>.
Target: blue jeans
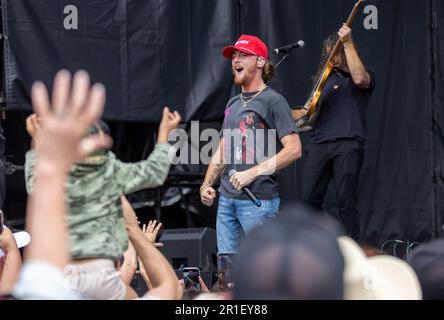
<point>235,218</point>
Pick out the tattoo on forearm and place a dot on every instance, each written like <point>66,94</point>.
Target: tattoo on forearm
<point>216,173</point>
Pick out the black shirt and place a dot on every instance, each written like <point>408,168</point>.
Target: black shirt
<point>343,109</point>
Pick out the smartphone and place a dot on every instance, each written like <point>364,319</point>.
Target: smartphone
<point>225,263</point>
<point>191,278</point>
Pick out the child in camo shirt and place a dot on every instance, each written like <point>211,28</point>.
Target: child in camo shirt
<point>97,231</point>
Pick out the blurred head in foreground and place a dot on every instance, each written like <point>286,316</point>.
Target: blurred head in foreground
<point>294,257</point>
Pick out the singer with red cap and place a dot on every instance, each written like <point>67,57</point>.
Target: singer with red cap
<point>258,139</point>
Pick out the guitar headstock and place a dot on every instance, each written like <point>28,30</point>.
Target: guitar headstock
<point>353,13</point>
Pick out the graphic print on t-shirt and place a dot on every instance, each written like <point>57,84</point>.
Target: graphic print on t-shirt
<point>249,123</point>
<point>252,136</point>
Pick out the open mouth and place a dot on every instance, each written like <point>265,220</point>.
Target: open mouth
<point>238,69</point>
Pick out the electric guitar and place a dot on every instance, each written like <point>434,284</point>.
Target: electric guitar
<point>306,122</point>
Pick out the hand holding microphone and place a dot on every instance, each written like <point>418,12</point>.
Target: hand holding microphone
<point>241,181</point>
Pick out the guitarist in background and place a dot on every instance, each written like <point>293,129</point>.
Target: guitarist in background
<point>337,146</point>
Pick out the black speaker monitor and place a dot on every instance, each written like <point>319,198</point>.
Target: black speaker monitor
<point>190,248</point>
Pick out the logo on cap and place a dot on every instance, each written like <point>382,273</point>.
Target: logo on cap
<point>242,42</point>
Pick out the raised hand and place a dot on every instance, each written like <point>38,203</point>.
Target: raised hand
<point>63,122</point>
<point>170,121</point>
<point>32,125</point>
<point>7,240</point>
<point>151,231</point>
<point>345,34</point>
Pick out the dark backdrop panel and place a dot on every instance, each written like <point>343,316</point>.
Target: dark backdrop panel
<point>396,191</point>
<point>177,60</point>
<point>38,45</point>
<point>147,53</point>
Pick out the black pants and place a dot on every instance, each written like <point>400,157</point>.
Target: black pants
<point>340,160</point>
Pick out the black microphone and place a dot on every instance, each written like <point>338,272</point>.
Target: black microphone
<point>248,192</point>
<point>286,49</point>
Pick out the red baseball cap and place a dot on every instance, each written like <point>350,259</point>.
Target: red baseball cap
<point>247,44</point>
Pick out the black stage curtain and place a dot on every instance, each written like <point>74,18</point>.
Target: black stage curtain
<point>147,53</point>
<point>156,52</point>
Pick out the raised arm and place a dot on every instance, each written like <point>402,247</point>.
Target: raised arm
<point>358,72</point>
<point>150,231</point>
<point>161,274</point>
<point>12,261</point>
<point>152,172</point>
<point>129,265</point>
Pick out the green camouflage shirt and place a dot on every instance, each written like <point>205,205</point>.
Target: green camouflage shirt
<point>96,222</point>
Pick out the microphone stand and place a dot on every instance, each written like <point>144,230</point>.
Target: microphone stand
<point>287,54</point>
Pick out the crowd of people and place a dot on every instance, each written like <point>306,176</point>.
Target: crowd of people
<point>87,243</point>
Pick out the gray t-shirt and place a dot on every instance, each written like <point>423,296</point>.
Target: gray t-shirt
<point>252,134</point>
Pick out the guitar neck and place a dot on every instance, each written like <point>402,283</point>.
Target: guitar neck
<point>349,23</point>
<point>338,43</point>
<point>353,13</point>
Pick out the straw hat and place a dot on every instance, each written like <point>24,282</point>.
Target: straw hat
<point>22,239</point>
<point>376,278</point>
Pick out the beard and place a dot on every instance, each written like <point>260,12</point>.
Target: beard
<point>242,78</point>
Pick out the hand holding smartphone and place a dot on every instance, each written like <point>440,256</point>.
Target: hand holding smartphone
<point>225,262</point>
<point>191,278</point>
